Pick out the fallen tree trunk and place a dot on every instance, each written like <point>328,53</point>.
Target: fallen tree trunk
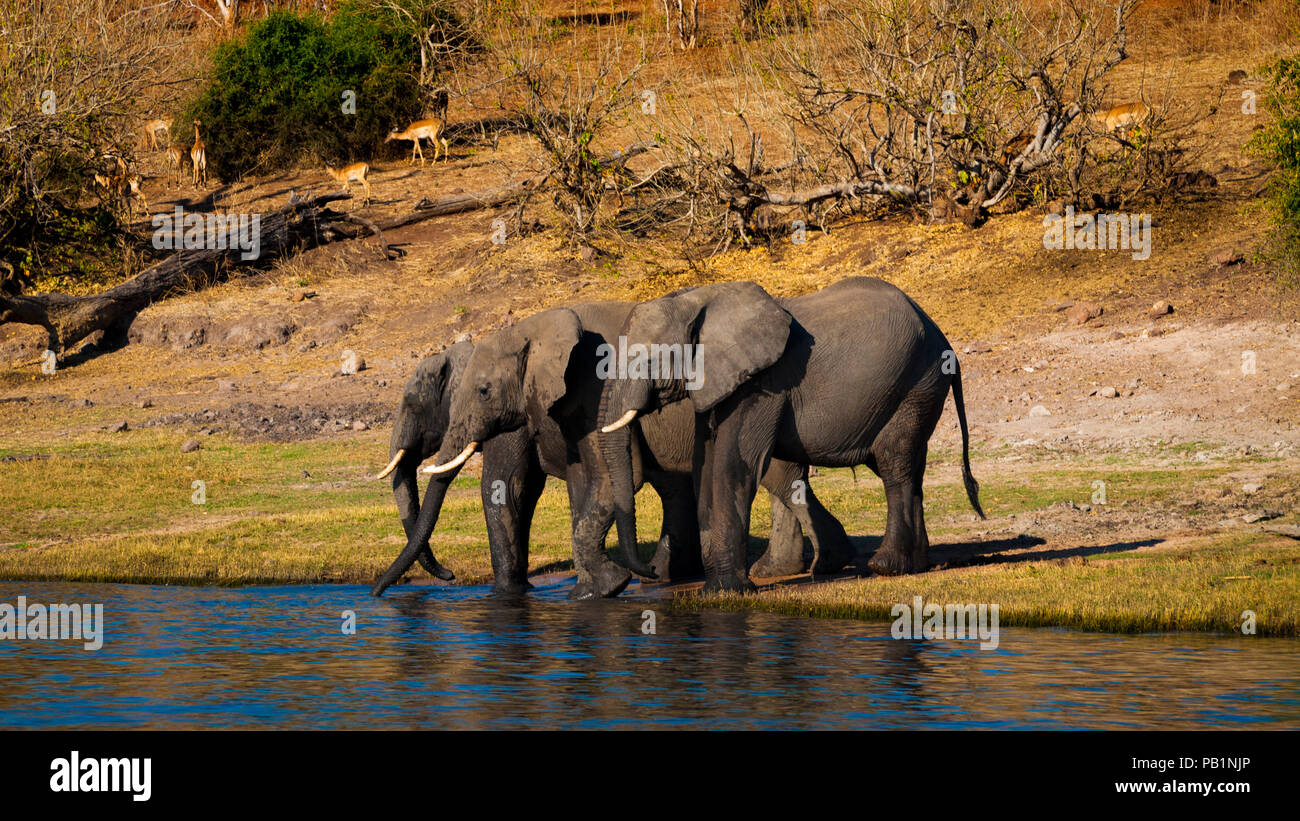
<point>298,226</point>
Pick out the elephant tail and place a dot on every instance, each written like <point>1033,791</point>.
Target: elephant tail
<point>972,486</point>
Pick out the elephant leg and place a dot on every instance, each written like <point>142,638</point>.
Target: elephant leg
<point>734,458</point>
<point>832,549</point>
<point>511,484</point>
<point>592,517</point>
<point>899,454</point>
<point>678,554</point>
<point>785,549</point>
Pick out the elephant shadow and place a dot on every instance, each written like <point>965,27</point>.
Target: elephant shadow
<point>951,555</point>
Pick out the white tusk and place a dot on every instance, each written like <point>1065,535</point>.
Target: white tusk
<point>454,463</point>
<point>623,420</point>
<point>392,466</point>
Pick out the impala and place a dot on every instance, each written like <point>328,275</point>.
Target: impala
<point>356,172</point>
<point>121,183</point>
<point>421,129</point>
<point>1128,115</point>
<point>199,156</point>
<point>175,159</point>
<point>152,127</point>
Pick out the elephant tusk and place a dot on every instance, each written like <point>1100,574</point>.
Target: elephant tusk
<point>392,466</point>
<point>623,420</point>
<point>454,463</point>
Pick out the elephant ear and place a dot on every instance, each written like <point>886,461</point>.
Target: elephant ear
<point>740,330</point>
<point>549,340</point>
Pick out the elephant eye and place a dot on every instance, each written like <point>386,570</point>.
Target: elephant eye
<point>484,391</point>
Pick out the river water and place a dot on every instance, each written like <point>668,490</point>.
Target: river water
<point>454,657</point>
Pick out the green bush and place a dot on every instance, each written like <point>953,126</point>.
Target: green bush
<point>1279,142</point>
<point>276,96</point>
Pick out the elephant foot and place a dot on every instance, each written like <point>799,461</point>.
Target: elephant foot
<point>510,589</point>
<point>607,582</point>
<point>767,568</point>
<point>673,566</point>
<point>729,583</point>
<point>888,562</point>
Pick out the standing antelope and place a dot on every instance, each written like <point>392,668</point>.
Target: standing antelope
<point>131,186</point>
<point>1127,115</point>
<point>356,172</point>
<point>175,159</point>
<point>121,183</point>
<point>199,156</point>
<point>152,127</point>
<point>419,130</point>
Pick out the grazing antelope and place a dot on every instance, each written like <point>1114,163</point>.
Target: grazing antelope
<point>419,130</point>
<point>152,127</point>
<point>199,156</point>
<point>1129,115</point>
<point>356,172</point>
<point>175,159</point>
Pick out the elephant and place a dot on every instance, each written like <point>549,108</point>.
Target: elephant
<point>853,374</point>
<point>529,396</point>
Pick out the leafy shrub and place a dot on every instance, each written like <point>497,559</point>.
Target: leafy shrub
<point>1279,142</point>
<point>277,93</point>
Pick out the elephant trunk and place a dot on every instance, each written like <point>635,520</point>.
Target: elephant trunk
<point>418,534</point>
<point>616,451</point>
<point>406,492</point>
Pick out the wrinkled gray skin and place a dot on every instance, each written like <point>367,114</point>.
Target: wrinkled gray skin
<point>853,374</point>
<point>419,427</point>
<point>530,395</point>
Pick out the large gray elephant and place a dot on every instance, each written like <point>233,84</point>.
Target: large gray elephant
<point>853,374</point>
<point>418,429</point>
<point>529,396</point>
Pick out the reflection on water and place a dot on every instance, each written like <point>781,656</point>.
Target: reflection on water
<point>452,657</point>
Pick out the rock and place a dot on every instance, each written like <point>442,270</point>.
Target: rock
<point>359,425</point>
<point>463,337</point>
<point>978,347</point>
<point>226,385</point>
<point>1160,309</point>
<point>1107,392</point>
<point>1292,531</point>
<point>82,403</point>
<point>1083,312</point>
<point>145,403</point>
<point>1283,387</point>
<point>1039,410</point>
<point>119,428</point>
<point>587,253</point>
<point>190,446</point>
<point>1236,77</point>
<point>259,334</point>
<point>1252,487</point>
<point>1227,257</point>
<point>1261,516</point>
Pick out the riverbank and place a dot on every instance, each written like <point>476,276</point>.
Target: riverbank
<point>1177,544</point>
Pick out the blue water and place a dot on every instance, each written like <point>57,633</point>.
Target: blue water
<point>454,657</point>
